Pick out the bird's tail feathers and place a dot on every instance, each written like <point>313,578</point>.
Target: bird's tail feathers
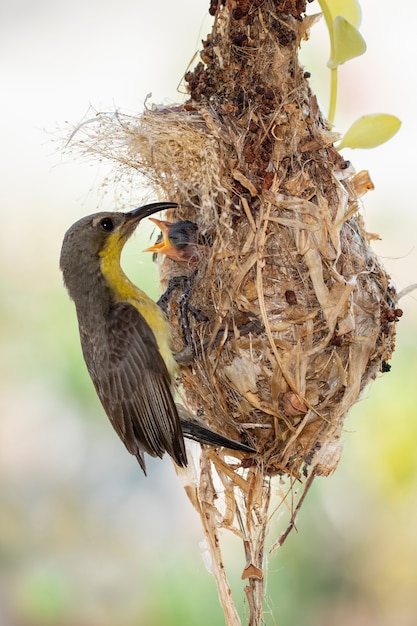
<point>193,429</point>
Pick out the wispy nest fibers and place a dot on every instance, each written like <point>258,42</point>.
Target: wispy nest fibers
<point>295,313</point>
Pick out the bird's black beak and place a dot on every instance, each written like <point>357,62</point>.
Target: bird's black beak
<point>148,209</point>
<point>132,218</point>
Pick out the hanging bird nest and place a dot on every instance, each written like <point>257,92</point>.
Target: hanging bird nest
<point>293,312</point>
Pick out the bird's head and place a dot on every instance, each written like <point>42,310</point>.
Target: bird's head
<point>178,240</point>
<point>97,237</point>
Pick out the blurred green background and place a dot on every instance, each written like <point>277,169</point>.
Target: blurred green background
<point>85,538</point>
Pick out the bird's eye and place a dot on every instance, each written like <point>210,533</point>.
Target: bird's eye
<point>106,224</point>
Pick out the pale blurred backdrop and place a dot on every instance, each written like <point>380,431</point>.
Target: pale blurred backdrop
<point>85,538</point>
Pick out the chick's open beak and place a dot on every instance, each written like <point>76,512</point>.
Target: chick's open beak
<point>164,246</point>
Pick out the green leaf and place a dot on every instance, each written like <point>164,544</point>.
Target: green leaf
<point>370,131</point>
<point>347,42</point>
<point>349,9</point>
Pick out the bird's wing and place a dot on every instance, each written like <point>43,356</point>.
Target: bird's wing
<point>134,388</point>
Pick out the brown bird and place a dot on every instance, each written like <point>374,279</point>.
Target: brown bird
<point>126,340</point>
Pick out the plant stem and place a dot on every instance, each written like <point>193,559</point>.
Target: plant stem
<point>333,71</point>
<point>333,95</point>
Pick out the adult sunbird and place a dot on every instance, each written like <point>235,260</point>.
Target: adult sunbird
<point>126,340</point>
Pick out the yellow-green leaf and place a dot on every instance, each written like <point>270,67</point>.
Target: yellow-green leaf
<point>347,42</point>
<point>349,9</point>
<point>370,131</point>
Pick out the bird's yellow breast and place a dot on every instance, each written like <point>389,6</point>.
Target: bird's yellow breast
<point>124,290</point>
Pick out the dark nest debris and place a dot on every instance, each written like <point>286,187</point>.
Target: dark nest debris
<point>293,312</point>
